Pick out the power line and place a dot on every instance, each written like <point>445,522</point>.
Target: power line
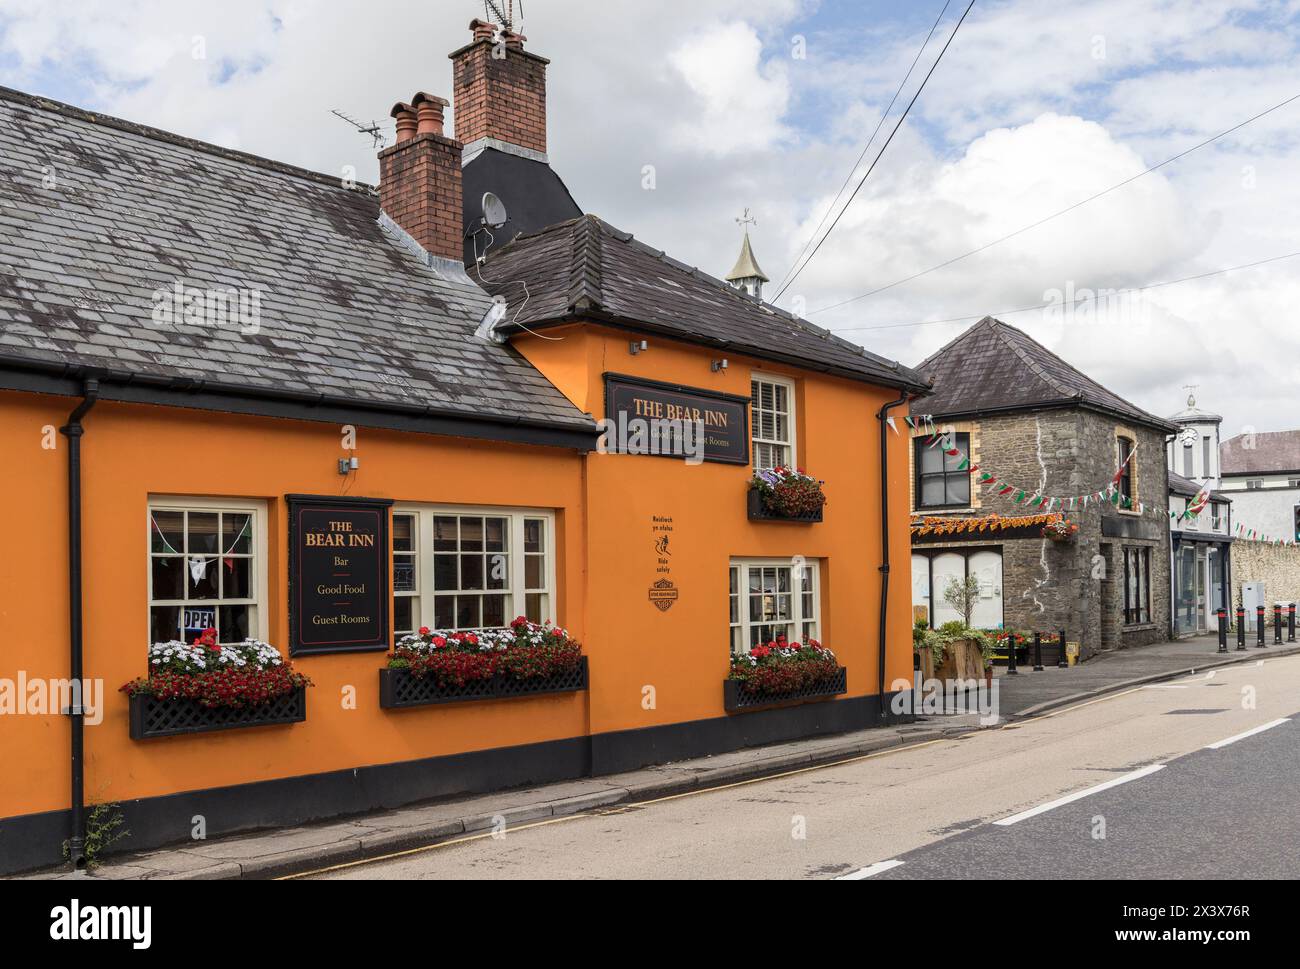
<point>1073,302</point>
<point>867,147</point>
<point>812,255</point>
<point>1064,211</point>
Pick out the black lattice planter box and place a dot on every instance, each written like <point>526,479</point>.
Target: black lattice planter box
<point>737,697</point>
<point>151,717</point>
<point>759,512</point>
<point>399,690</point>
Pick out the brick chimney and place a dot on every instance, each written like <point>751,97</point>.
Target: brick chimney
<point>500,90</point>
<point>420,178</point>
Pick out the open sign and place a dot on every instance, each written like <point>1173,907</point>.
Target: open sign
<point>197,621</point>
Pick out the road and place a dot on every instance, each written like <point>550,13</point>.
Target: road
<point>1175,808</point>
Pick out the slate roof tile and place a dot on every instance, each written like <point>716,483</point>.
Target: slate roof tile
<point>585,268</point>
<point>993,367</point>
<point>345,309</point>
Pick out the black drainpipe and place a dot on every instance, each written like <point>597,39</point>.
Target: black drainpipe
<point>73,431</point>
<point>883,417</point>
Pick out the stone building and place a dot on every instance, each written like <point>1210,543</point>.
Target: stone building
<point>1035,429</point>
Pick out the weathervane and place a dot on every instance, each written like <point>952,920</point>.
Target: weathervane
<point>1191,393</point>
<point>747,219</point>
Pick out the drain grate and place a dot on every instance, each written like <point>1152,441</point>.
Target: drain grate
<point>1172,713</point>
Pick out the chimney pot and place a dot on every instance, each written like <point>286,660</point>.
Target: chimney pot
<point>483,30</point>
<point>406,121</point>
<point>429,113</point>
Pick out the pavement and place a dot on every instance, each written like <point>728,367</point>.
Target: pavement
<point>276,853</point>
<point>1029,694</point>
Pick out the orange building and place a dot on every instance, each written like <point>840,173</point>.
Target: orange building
<point>245,397</point>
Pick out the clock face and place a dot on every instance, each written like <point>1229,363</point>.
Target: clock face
<point>1190,436</point>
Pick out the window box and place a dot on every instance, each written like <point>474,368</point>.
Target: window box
<point>398,689</point>
<point>152,717</point>
<point>759,512</point>
<point>737,696</point>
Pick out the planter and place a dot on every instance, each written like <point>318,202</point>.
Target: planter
<point>152,718</point>
<point>399,690</point>
<point>924,661</point>
<point>736,697</point>
<point>759,512</point>
<point>964,660</point>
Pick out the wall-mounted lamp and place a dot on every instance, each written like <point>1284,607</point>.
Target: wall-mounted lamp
<point>719,365</point>
<point>638,346</point>
<point>348,465</point>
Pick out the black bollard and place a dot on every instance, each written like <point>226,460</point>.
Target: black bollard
<point>1260,627</point>
<point>1038,652</point>
<point>1223,630</point>
<point>1290,622</point>
<point>1011,655</point>
<point>1061,661</point>
<point>1277,624</point>
<point>1241,629</point>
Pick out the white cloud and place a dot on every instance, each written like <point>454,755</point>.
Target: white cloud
<point>738,102</point>
<point>1022,118</point>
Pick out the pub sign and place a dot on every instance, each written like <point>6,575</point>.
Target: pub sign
<point>338,575</point>
<point>650,417</point>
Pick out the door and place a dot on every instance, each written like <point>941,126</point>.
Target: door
<point>987,567</point>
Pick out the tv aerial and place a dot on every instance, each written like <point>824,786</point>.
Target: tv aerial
<point>372,129</point>
<point>503,13</point>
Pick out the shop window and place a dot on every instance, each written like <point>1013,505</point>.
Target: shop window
<point>940,481</point>
<point>206,571</point>
<point>1126,478</point>
<point>769,598</point>
<point>772,414</point>
<point>1137,586</point>
<point>454,569</point>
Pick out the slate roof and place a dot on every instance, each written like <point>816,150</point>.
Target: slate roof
<point>348,313</point>
<point>995,368</point>
<point>1273,452</point>
<point>586,269</point>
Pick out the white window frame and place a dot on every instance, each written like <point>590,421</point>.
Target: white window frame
<point>517,594</point>
<point>754,440</point>
<point>740,645</point>
<point>259,623</point>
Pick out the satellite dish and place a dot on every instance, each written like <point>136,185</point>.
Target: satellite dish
<point>494,211</point>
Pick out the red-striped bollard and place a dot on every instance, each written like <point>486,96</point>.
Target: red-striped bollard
<point>1277,624</point>
<point>1223,630</point>
<point>1260,626</point>
<point>1241,629</point>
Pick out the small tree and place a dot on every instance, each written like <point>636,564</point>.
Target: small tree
<point>962,595</point>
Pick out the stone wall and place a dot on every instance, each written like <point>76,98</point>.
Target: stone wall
<point>1277,566</point>
<point>1078,586</point>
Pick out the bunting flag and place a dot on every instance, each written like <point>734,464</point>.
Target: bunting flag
<point>1029,497</point>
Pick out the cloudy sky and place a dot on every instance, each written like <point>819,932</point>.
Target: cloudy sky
<point>768,104</point>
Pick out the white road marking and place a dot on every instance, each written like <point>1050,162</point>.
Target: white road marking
<point>1248,733</point>
<point>876,869</point>
<point>1079,795</point>
<point>1164,687</point>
